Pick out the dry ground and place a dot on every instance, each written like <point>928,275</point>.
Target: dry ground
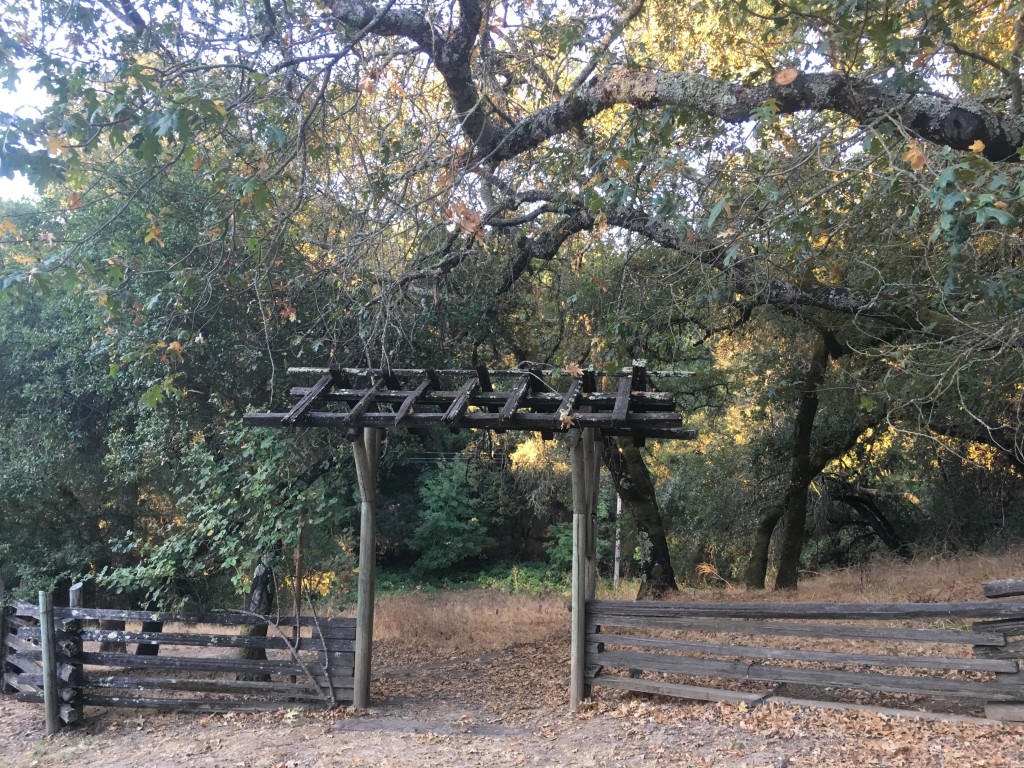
<point>476,679</point>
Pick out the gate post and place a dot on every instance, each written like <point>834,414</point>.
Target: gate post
<point>580,537</point>
<point>48,639</point>
<point>365,450</point>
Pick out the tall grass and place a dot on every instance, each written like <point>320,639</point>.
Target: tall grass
<point>468,621</point>
<point>481,620</point>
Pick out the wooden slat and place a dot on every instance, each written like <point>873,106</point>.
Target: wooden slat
<point>129,682</point>
<point>678,690</point>
<point>201,640</point>
<point>409,401</point>
<point>184,705</point>
<point>16,681</point>
<point>868,681</point>
<point>306,402</point>
<point>29,661</point>
<point>698,693</point>
<point>514,397</point>
<point>1003,626</point>
<point>242,666</point>
<point>621,409</point>
<point>1012,650</point>
<point>19,643</point>
<point>788,629</point>
<point>460,403</point>
<point>568,403</point>
<point>1003,588</point>
<point>362,406</point>
<point>1010,712</point>
<point>828,657</point>
<point>600,609</point>
<point>219,618</point>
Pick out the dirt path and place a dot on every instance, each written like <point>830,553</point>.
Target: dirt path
<point>503,709</point>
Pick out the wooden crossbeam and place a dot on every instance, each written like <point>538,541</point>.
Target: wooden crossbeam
<point>410,401</point>
<point>512,403</point>
<point>568,403</point>
<point>460,403</point>
<point>363,405</point>
<point>653,425</point>
<point>621,402</point>
<point>307,399</point>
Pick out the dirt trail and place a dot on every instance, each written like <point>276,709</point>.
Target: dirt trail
<point>503,709</point>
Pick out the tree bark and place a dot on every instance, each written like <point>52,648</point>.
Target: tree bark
<point>801,471</point>
<point>261,601</point>
<point>757,567</point>
<point>634,485</point>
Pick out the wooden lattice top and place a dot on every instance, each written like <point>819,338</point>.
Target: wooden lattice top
<point>352,399</point>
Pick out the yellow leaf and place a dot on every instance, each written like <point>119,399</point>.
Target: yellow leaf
<point>55,145</point>
<point>7,227</point>
<point>915,156</point>
<point>219,106</point>
<point>573,370</point>
<point>786,76</point>
<point>977,146</point>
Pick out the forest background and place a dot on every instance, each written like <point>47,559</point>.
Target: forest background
<point>811,208</point>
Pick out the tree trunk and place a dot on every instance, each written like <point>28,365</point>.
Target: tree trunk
<point>801,472</point>
<point>261,601</point>
<point>634,485</point>
<point>757,568</point>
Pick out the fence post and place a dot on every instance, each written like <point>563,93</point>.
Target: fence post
<point>74,667</point>
<point>49,641</point>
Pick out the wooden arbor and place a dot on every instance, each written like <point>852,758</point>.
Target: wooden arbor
<point>367,402</point>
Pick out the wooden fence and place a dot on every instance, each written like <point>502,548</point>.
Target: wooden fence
<point>929,650</point>
<point>194,661</point>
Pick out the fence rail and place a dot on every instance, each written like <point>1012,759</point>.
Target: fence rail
<point>197,664</point>
<point>690,647</point>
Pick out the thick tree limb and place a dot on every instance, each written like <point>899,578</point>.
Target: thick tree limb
<point>937,119</point>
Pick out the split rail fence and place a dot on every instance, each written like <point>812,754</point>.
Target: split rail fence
<point>54,656</point>
<point>964,651</point>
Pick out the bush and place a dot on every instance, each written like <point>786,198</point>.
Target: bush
<point>453,524</point>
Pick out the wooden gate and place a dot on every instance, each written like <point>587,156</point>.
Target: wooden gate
<point>192,663</point>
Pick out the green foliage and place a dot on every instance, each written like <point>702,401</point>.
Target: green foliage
<point>454,521</point>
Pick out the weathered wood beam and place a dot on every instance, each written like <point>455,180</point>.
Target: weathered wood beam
<point>621,409</point>
<point>1003,588</point>
<point>307,399</point>
<point>580,505</point>
<point>661,424</point>
<point>460,402</point>
<point>513,400</point>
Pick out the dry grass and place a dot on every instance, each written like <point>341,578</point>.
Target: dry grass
<point>470,621</point>
<point>483,620</point>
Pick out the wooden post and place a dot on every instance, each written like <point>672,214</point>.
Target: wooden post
<point>76,710</point>
<point>364,449</point>
<point>3,636</point>
<point>580,505</point>
<point>51,696</point>
<point>593,456</point>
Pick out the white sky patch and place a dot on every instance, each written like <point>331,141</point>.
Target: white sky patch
<point>26,100</point>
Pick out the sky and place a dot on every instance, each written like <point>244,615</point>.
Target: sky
<point>26,99</point>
